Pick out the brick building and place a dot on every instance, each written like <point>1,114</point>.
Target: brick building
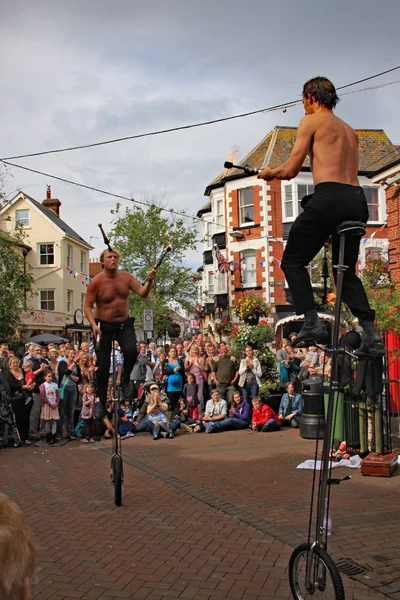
<point>389,178</point>
<point>249,221</point>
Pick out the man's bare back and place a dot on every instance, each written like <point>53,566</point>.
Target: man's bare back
<point>333,150</point>
<point>330,143</point>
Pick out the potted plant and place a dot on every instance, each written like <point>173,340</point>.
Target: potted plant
<point>250,308</point>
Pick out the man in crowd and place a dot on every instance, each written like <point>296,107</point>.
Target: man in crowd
<point>17,552</point>
<point>332,147</point>
<point>109,291</point>
<point>152,352</point>
<point>138,374</point>
<point>40,366</point>
<point>226,374</point>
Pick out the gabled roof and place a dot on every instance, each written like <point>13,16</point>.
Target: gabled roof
<point>62,225</point>
<point>376,150</point>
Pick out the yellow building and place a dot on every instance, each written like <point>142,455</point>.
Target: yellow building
<point>59,258</point>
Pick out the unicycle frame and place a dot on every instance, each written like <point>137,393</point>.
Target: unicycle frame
<point>324,483</point>
<point>115,404</point>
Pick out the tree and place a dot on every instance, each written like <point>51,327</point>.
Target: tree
<point>15,284</point>
<point>140,235</point>
<point>382,294</point>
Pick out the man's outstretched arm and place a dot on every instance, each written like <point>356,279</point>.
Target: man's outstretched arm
<point>301,148</point>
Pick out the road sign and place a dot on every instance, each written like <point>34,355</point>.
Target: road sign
<point>148,324</point>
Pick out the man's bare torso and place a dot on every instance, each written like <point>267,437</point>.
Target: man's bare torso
<point>334,149</point>
<point>112,296</point>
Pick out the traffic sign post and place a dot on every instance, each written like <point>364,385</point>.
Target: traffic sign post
<point>148,320</point>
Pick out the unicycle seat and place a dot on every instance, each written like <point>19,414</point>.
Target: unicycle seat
<point>351,227</point>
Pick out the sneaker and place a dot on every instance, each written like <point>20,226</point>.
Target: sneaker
<point>170,436</point>
<point>187,427</point>
<point>155,436</point>
<point>71,437</point>
<point>84,441</point>
<point>197,429</point>
<point>211,428</point>
<point>91,440</point>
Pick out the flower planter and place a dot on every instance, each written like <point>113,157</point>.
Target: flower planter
<point>252,319</point>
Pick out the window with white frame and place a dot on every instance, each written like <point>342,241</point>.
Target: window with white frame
<point>46,299</point>
<point>210,282</point>
<point>248,268</point>
<point>70,300</point>
<point>83,300</point>
<point>246,206</point>
<point>83,262</point>
<point>293,193</point>
<point>69,255</point>
<point>220,212</point>
<point>372,196</point>
<point>22,218</point>
<point>46,254</point>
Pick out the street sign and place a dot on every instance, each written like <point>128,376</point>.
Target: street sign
<point>148,324</point>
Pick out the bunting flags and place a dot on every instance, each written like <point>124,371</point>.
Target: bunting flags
<point>365,240</point>
<point>83,278</point>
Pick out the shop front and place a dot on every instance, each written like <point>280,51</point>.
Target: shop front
<point>34,322</point>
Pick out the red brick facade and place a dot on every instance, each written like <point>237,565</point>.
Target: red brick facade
<point>393,231</point>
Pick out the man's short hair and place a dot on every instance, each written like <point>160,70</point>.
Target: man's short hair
<point>17,550</point>
<point>102,255</point>
<point>322,90</point>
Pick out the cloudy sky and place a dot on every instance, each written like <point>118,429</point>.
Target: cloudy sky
<point>81,71</point>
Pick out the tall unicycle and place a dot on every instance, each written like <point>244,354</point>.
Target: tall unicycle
<point>117,467</point>
<point>312,571</point>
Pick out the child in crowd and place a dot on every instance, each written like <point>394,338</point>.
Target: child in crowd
<point>28,369</point>
<point>182,415</point>
<point>189,393</point>
<point>159,421</point>
<point>50,396</point>
<point>87,413</point>
<point>264,418</point>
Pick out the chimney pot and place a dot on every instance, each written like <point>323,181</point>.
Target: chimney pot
<point>48,193</point>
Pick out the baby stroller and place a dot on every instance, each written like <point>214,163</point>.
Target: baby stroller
<point>9,435</point>
<point>144,393</point>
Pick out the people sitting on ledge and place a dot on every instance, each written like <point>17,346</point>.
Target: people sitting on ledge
<point>290,407</point>
<point>264,418</point>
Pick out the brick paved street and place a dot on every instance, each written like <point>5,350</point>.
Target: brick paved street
<point>204,516</point>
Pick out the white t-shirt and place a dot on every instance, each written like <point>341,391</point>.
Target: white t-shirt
<point>51,392</point>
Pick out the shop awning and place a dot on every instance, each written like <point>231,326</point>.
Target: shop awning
<point>292,318</point>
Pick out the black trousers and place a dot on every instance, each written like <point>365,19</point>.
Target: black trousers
<point>329,205</point>
<point>124,334</point>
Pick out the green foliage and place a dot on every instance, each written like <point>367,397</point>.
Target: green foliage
<point>15,284</point>
<point>382,295</point>
<point>140,235</point>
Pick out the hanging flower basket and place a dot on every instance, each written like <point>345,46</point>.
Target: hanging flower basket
<point>251,308</point>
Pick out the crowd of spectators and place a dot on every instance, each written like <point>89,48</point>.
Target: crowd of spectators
<point>194,385</point>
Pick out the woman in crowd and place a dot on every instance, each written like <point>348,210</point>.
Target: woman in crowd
<point>323,369</point>
<point>239,416</point>
<point>194,364</point>
<point>87,375</point>
<point>20,393</point>
<point>174,378</point>
<point>250,373</point>
<point>290,407</point>
<point>69,377</point>
<point>53,362</point>
<point>159,370</point>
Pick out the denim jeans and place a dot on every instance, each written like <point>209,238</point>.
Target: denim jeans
<point>67,409</point>
<point>144,425</point>
<point>230,423</point>
<point>250,388</point>
<point>271,425</point>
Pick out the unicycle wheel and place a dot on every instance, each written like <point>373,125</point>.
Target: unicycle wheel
<point>325,580</point>
<point>116,478</point>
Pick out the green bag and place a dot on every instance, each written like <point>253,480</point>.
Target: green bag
<point>62,390</point>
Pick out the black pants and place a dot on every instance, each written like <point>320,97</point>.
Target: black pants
<point>21,412</point>
<point>173,398</point>
<point>329,205</point>
<point>124,333</point>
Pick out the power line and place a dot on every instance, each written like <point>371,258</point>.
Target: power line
<point>98,190</point>
<point>191,126</point>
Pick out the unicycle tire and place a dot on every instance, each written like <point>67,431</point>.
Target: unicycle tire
<point>116,475</point>
<point>325,577</point>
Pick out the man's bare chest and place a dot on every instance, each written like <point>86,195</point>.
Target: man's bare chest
<point>110,291</point>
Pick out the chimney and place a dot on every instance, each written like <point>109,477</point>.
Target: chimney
<point>51,203</point>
